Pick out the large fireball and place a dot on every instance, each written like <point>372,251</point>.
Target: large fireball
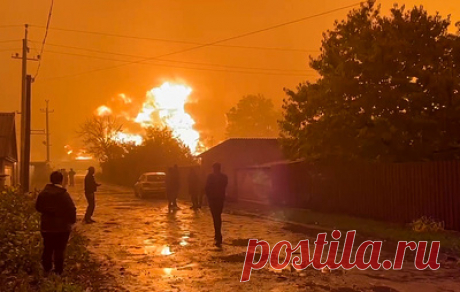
<point>165,106</point>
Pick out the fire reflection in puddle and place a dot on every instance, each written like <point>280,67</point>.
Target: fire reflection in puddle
<point>151,248</point>
<point>183,241</point>
<point>166,250</point>
<point>168,271</point>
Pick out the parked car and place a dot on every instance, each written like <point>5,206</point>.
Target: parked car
<point>151,184</point>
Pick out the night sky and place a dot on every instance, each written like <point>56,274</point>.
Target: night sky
<point>219,75</point>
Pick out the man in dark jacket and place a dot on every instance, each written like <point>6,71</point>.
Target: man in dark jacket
<point>90,189</point>
<point>72,174</point>
<point>58,214</point>
<point>194,189</point>
<point>216,185</point>
<point>172,187</point>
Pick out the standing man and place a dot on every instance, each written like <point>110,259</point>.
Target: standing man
<point>216,185</point>
<point>169,189</point>
<point>72,177</point>
<point>90,189</point>
<point>194,189</point>
<point>175,186</point>
<point>65,180</point>
<point>58,213</point>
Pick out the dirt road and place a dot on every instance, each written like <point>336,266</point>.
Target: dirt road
<point>148,249</point>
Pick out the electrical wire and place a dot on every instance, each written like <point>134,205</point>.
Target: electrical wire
<point>162,60</point>
<point>181,41</point>
<point>218,41</point>
<point>44,39</point>
<point>254,70</point>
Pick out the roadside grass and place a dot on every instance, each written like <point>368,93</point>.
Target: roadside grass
<point>377,230</point>
<point>20,253</point>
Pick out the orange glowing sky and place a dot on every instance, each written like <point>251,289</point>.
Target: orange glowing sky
<point>215,90</point>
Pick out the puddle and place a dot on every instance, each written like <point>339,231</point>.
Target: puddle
<point>164,250</point>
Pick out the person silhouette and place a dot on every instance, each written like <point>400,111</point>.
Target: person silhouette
<point>216,185</point>
<point>72,177</point>
<point>90,188</point>
<point>58,213</point>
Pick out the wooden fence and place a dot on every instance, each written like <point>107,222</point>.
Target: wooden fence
<point>397,192</point>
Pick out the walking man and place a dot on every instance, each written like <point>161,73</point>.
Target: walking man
<point>72,174</point>
<point>216,185</point>
<point>58,213</point>
<point>90,189</point>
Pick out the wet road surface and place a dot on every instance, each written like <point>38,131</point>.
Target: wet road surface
<point>147,249</point>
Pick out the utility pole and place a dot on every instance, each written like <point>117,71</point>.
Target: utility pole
<point>25,111</point>
<point>25,144</point>
<point>47,130</point>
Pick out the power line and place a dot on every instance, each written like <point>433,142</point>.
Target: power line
<point>260,72</point>
<point>162,60</point>
<point>219,41</point>
<point>14,49</point>
<point>105,52</point>
<point>8,41</point>
<point>10,25</point>
<point>44,38</point>
<point>181,41</point>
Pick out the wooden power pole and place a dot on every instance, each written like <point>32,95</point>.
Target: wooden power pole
<point>25,114</point>
<point>47,130</point>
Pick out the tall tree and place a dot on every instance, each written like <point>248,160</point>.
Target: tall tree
<point>253,117</point>
<point>98,135</point>
<point>388,91</point>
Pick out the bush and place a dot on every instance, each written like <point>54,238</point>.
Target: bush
<point>20,239</point>
<point>426,224</point>
<point>21,247</point>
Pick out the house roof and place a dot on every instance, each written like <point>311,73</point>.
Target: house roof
<point>8,146</point>
<point>274,163</point>
<point>234,144</point>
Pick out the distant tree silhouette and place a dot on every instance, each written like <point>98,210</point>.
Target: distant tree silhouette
<point>389,90</point>
<point>254,116</point>
<point>159,151</point>
<point>98,135</point>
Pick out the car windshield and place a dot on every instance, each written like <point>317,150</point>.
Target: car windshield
<point>155,178</point>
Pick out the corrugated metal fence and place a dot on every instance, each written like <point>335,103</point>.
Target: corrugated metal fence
<point>397,192</point>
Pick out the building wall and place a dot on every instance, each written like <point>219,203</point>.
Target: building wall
<point>255,185</point>
<point>8,168</point>
<point>234,158</point>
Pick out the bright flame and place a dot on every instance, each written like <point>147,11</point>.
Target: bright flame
<point>126,99</point>
<point>164,106</point>
<point>128,138</point>
<point>103,111</point>
<point>84,157</point>
<point>168,102</point>
<point>79,155</point>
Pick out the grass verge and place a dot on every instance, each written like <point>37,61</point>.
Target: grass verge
<point>450,240</point>
<point>20,253</point>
